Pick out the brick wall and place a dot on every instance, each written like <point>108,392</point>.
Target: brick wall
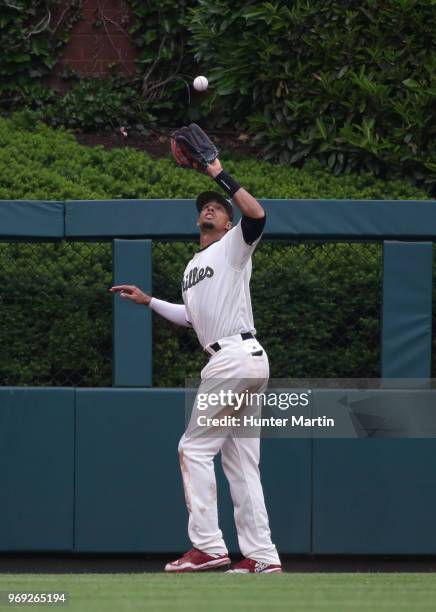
<point>99,43</point>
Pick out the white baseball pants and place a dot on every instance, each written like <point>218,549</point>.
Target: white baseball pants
<point>239,456</point>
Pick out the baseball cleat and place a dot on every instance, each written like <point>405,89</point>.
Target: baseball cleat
<point>250,566</point>
<point>197,561</point>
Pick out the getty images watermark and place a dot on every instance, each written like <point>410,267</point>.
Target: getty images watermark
<point>241,402</point>
<point>302,408</point>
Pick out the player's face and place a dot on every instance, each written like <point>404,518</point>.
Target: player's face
<point>214,216</point>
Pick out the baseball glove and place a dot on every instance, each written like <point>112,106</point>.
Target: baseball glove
<point>192,148</point>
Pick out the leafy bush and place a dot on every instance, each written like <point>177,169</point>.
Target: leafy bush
<point>31,41</point>
<point>349,83</point>
<point>166,62</point>
<point>321,315</point>
<point>33,35</point>
<point>98,103</point>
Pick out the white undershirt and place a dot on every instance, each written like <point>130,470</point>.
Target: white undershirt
<point>176,313</point>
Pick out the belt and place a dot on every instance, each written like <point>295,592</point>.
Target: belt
<point>217,347</point>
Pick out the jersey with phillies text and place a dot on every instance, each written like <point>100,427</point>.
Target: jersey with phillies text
<point>215,288</point>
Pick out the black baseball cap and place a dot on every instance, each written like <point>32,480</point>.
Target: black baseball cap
<point>213,196</point>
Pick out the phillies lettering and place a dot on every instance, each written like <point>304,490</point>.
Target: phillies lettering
<point>195,276</point>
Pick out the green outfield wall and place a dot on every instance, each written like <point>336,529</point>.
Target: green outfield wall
<point>96,470</point>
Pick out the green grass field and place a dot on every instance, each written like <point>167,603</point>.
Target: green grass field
<point>342,592</point>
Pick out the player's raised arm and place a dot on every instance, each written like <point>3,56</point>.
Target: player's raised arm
<point>247,204</point>
<point>253,214</point>
<point>193,149</point>
<point>175,313</point>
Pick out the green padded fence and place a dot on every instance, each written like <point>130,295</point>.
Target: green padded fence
<point>96,470</point>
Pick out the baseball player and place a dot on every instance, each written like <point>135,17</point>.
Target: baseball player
<point>217,305</point>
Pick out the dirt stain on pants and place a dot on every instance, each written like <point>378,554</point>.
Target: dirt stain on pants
<point>185,478</point>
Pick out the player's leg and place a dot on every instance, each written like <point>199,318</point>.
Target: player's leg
<point>196,456</point>
<point>197,449</point>
<point>240,460</point>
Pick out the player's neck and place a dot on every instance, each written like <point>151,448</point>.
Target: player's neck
<point>209,236</point>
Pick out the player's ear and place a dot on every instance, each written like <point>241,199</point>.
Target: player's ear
<point>228,225</point>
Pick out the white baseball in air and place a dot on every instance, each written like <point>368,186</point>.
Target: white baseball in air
<point>200,83</point>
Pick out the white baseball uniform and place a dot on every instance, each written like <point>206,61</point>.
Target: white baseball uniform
<point>217,302</point>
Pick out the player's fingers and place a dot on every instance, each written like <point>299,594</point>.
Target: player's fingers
<point>122,288</point>
<point>130,296</point>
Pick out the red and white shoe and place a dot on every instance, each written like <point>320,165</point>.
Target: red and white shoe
<point>196,561</point>
<point>250,566</point>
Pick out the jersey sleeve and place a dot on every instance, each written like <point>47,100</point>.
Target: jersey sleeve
<point>240,241</point>
<point>176,313</point>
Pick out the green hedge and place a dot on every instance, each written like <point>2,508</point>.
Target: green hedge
<point>37,162</point>
<point>55,318</point>
<point>316,306</point>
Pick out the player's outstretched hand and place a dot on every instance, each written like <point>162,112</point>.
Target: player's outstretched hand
<point>131,292</point>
